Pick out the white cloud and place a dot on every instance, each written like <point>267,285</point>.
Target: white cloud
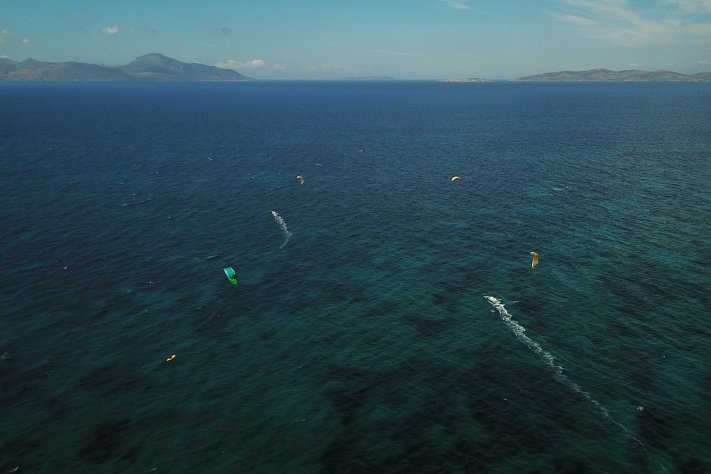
<point>574,19</point>
<point>256,63</point>
<point>690,6</point>
<point>229,64</point>
<point>702,61</point>
<point>234,64</point>
<point>618,22</point>
<point>457,4</point>
<point>110,30</point>
<point>280,67</point>
<point>26,41</point>
<point>332,66</point>
<point>388,52</point>
<point>3,35</point>
<point>701,30</point>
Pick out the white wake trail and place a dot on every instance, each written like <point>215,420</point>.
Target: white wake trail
<point>520,333</point>
<point>282,224</point>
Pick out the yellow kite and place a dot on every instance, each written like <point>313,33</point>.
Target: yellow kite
<point>534,259</point>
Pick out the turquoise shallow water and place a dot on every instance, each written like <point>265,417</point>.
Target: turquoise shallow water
<point>366,342</point>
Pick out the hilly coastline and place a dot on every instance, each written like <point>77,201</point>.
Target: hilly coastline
<point>630,75</point>
<point>158,67</point>
<point>150,67</point>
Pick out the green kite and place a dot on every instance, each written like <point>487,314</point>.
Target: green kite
<point>230,272</point>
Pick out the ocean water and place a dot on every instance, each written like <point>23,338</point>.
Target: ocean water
<point>386,320</point>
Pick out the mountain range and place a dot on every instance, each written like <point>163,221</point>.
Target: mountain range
<point>157,67</point>
<point>630,75</point>
<point>150,67</point>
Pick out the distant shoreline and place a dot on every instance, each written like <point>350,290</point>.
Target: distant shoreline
<point>155,67</point>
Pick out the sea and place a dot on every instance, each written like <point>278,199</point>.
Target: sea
<point>385,319</point>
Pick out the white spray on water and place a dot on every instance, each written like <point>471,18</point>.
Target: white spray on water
<point>282,224</point>
<point>520,333</point>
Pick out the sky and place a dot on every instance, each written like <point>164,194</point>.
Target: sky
<point>333,39</point>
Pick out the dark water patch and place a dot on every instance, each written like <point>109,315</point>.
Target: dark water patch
<point>166,416</point>
<point>655,429</point>
<point>505,439</point>
<point>496,396</point>
<point>9,366</point>
<point>503,390</point>
<point>449,293</point>
<point>57,407</point>
<point>333,292</point>
<point>73,312</point>
<point>632,301</point>
<point>644,378</point>
<point>331,340</point>
<point>341,455</point>
<point>106,440</point>
<point>470,456</point>
<point>696,330</point>
<point>427,327</point>
<point>352,450</point>
<point>20,382</point>
<point>659,280</point>
<point>691,465</point>
<point>382,310</point>
<point>417,455</point>
<point>241,302</point>
<point>112,379</point>
<point>18,394</point>
<point>211,321</point>
<point>20,369</point>
<point>23,450</point>
<point>266,335</point>
<point>570,466</point>
<point>98,314</point>
<point>632,349</point>
<point>185,300</point>
<point>353,387</point>
<point>131,453</point>
<point>495,407</point>
<point>621,328</point>
<point>414,435</point>
<point>347,402</point>
<point>353,390</point>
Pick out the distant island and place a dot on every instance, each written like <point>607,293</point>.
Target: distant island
<point>466,79</point>
<point>157,67</point>
<point>150,67</point>
<point>630,75</point>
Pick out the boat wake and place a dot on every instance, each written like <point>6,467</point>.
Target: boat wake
<point>282,224</point>
<point>520,333</point>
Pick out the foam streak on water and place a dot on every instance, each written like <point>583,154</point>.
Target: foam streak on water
<point>520,333</point>
<point>282,224</point>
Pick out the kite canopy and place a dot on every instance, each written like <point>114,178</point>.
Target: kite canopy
<point>455,179</point>
<point>301,179</point>
<point>230,272</point>
<point>534,259</point>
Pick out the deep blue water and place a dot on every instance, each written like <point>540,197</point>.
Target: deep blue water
<point>364,343</point>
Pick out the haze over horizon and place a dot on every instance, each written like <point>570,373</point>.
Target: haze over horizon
<point>406,39</point>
